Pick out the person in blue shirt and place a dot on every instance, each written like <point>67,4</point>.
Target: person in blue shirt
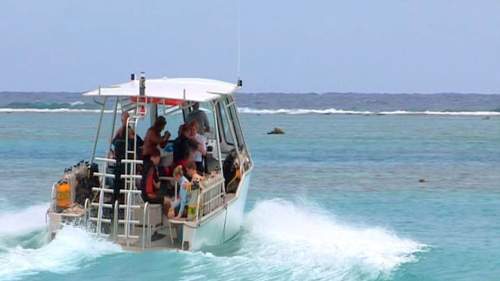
<point>183,196</point>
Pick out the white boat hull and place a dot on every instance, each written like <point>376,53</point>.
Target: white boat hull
<point>223,224</point>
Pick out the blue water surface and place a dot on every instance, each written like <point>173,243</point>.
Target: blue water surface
<point>338,197</point>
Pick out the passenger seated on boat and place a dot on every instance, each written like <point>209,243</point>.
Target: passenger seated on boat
<point>184,147</point>
<point>151,191</point>
<point>153,139</point>
<point>196,188</point>
<point>201,117</point>
<point>181,202</point>
<point>231,171</point>
<point>192,172</point>
<point>201,149</point>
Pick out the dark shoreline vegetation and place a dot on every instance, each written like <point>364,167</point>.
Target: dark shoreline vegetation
<point>375,102</point>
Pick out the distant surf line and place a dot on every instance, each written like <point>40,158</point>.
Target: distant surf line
<point>282,111</point>
<point>51,110</point>
<point>333,111</point>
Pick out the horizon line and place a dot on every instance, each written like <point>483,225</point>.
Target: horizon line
<point>290,93</point>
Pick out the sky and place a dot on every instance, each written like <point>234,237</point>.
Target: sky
<point>419,46</point>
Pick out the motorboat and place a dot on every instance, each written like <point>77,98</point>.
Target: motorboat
<point>104,194</point>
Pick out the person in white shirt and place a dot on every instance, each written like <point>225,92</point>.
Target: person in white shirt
<point>201,151</point>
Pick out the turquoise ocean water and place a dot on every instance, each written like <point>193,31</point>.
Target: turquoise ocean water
<point>338,197</point>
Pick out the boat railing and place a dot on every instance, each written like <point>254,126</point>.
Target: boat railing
<point>108,160</point>
<point>53,197</point>
<point>211,196</point>
<point>104,163</point>
<point>172,181</point>
<point>146,224</point>
<point>209,199</point>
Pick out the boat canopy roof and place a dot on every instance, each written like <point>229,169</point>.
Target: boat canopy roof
<point>185,89</point>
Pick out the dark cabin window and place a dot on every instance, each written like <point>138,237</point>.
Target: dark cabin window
<point>225,129</point>
<point>237,126</point>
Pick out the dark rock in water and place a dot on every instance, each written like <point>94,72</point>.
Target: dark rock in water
<point>421,180</point>
<point>486,118</point>
<point>276,131</point>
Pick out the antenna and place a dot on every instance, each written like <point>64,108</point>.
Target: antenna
<point>142,84</point>
<point>238,64</point>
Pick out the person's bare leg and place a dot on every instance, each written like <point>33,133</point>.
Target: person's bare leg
<point>167,204</point>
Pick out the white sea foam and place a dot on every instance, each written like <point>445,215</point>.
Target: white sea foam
<point>282,240</point>
<point>289,241</point>
<point>282,111</point>
<point>50,110</point>
<point>75,103</point>
<point>68,251</point>
<point>71,247</point>
<point>313,245</point>
<point>300,111</point>
<point>444,113</point>
<point>23,221</point>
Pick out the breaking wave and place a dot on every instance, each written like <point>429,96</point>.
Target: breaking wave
<point>288,241</point>
<point>51,110</point>
<point>282,111</point>
<point>24,249</point>
<point>444,113</point>
<point>77,103</point>
<point>299,111</point>
<point>71,247</point>
<point>22,221</point>
<point>281,241</point>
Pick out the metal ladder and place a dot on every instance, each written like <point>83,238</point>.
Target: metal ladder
<point>100,205</point>
<point>132,195</point>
